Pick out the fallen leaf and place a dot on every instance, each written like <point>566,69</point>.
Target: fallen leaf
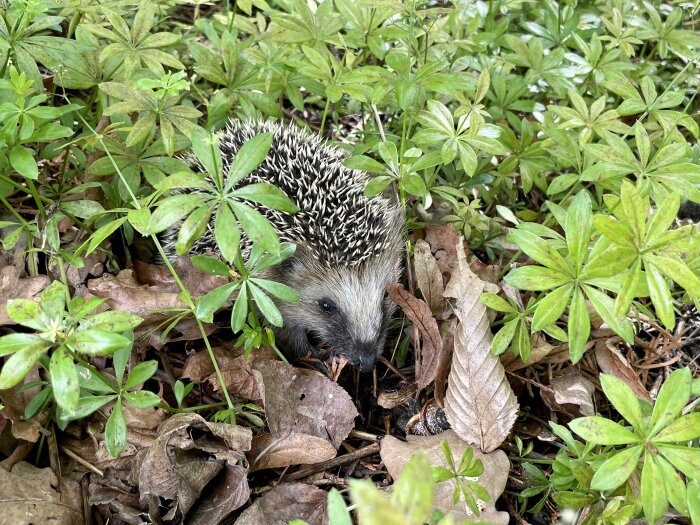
<point>442,240</point>
<point>286,502</point>
<point>612,362</point>
<point>14,287</point>
<point>395,454</point>
<point>428,276</point>
<point>187,455</point>
<point>306,403</point>
<point>480,404</point>
<point>270,451</point>
<point>422,318</point>
<point>30,496</point>
<point>571,394</point>
<point>230,492</point>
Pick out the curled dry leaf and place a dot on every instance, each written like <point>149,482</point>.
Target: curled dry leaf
<point>305,403</point>
<point>428,276</point>
<point>14,287</point>
<point>480,404</point>
<point>29,496</point>
<point>286,502</point>
<point>442,239</point>
<point>420,315</point>
<point>395,454</point>
<point>571,394</point>
<point>269,451</point>
<point>612,362</point>
<point>187,455</point>
<point>237,371</point>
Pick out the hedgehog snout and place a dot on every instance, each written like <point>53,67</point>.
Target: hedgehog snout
<point>364,355</point>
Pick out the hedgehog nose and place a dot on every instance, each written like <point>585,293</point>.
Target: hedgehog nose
<point>366,356</point>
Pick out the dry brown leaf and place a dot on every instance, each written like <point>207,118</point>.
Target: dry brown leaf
<point>286,502</point>
<point>442,239</point>
<point>30,496</point>
<point>14,287</point>
<point>571,394</point>
<point>270,451</point>
<point>124,293</point>
<point>428,276</point>
<point>612,362</point>
<point>15,400</point>
<point>422,318</point>
<point>306,403</point>
<point>395,454</point>
<point>187,455</point>
<point>230,492</point>
<point>480,404</point>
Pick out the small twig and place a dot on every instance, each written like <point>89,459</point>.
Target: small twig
<point>358,434</point>
<point>335,462</point>
<point>75,457</point>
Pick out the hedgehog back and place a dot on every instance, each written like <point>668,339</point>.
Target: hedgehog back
<point>336,222</point>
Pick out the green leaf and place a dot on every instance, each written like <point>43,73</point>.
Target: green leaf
<point>684,458</point>
<point>279,290</point>
<point>240,310</point>
<point>267,195</point>
<point>673,396</point>
<point>248,157</point>
<point>115,431</point>
<point>550,308</point>
<point>685,428</point>
<point>364,163</point>
<point>676,270</point>
<point>616,470</point>
<point>226,233</point>
<point>605,307</point>
<point>675,487</point>
<point>141,373</point>
<point>539,249</point>
<point>579,326</point>
<point>413,491</point>
<point>602,431</point>
<point>11,343</point>
<point>210,265</point>
<point>256,226</point>
<point>578,227</point>
<point>22,160</point>
<point>212,301</point>
<point>27,313</point>
<point>635,209</point>
<point>653,493</point>
<point>64,380</point>
<point>338,513</point>
<point>504,336</point>
<point>613,230</point>
<point>266,306</point>
<point>172,209</point>
<point>94,341</point>
<point>693,498</point>
<point>497,303</point>
<point>193,228</point>
<point>19,365</point>
<point>112,321</point>
<point>142,399</point>
<point>623,399</point>
<point>629,289</point>
<point>660,294</point>
<point>206,148</point>
<point>536,278</point>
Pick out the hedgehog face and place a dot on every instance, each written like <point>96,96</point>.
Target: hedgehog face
<point>343,311</point>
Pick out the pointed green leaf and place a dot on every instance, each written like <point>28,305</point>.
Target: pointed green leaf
<point>673,396</point>
<point>248,157</point>
<point>602,431</point>
<point>579,326</point>
<point>616,470</point>
<point>64,380</point>
<point>550,309</point>
<point>623,399</point>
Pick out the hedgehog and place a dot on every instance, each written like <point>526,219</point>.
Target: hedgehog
<point>348,246</point>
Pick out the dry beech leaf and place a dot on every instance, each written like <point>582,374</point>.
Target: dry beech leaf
<point>571,394</point>
<point>395,454</point>
<point>428,276</point>
<point>286,502</point>
<point>187,455</point>
<point>306,403</point>
<point>442,239</point>
<point>270,451</point>
<point>422,318</point>
<point>480,404</point>
<point>612,362</point>
<point>29,496</point>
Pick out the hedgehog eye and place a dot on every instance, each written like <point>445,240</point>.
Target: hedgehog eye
<point>327,306</point>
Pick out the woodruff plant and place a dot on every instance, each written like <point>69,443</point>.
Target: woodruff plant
<point>658,446</point>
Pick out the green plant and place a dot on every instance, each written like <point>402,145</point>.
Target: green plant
<point>654,445</point>
<point>464,487</point>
